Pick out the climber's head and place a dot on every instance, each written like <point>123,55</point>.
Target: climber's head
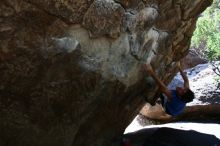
<point>185,94</point>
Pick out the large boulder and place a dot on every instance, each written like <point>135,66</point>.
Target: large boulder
<point>71,70</point>
<point>192,59</point>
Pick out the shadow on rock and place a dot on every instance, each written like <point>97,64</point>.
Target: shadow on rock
<point>170,137</point>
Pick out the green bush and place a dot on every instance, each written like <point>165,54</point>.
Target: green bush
<point>206,38</point>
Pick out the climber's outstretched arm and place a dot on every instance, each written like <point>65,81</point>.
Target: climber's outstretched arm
<point>162,86</point>
<point>184,76</point>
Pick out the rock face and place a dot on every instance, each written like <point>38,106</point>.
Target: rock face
<point>71,71</point>
<point>192,59</point>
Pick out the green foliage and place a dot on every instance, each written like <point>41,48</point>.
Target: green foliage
<point>217,78</point>
<point>206,37</point>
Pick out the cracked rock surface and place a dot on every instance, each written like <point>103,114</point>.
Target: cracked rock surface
<point>71,71</point>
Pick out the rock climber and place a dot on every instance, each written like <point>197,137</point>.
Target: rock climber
<point>173,101</point>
